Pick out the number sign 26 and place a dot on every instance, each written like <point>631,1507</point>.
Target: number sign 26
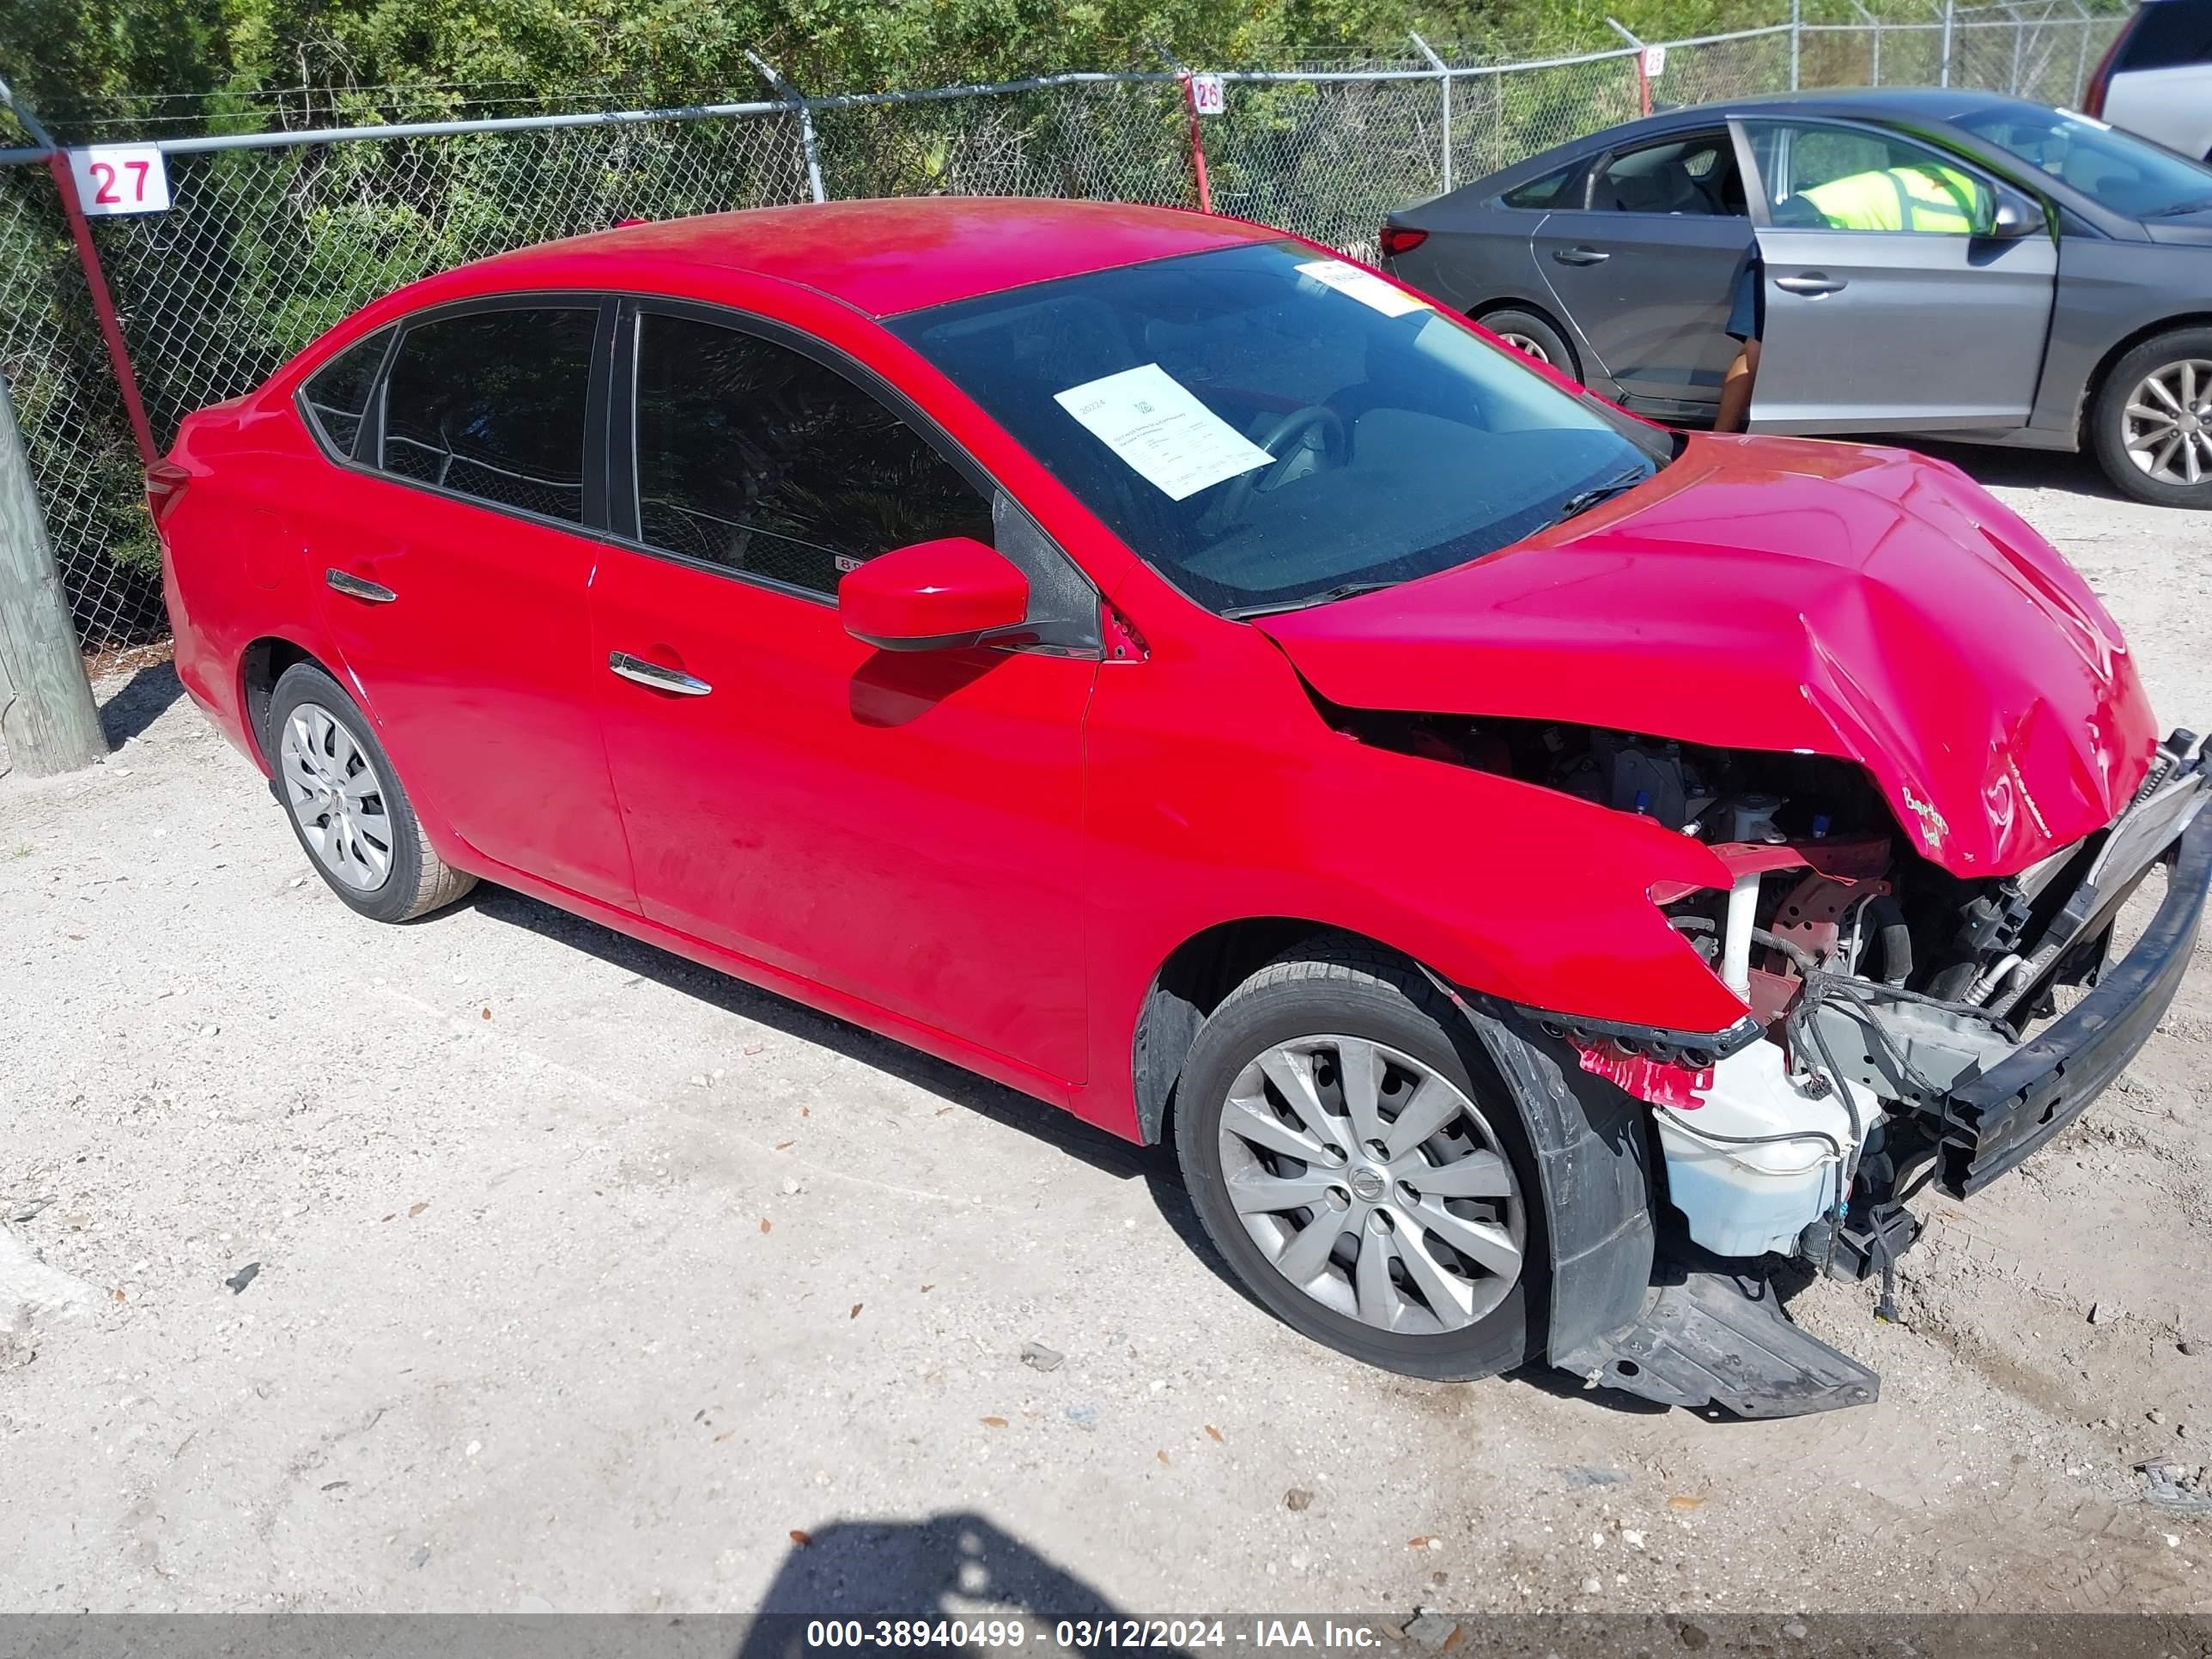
<point>114,179</point>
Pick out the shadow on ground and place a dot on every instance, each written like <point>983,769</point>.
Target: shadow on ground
<point>140,701</point>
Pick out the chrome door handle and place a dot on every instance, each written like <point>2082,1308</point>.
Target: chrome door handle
<point>1579,256</point>
<point>358,588</point>
<point>1812,281</point>
<point>659,678</point>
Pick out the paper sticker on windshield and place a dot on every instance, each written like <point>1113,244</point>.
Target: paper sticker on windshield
<point>1363,286</point>
<point>1155,423</point>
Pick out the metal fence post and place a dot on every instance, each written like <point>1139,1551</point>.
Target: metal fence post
<point>1797,40</point>
<point>2019,40</point>
<point>1874,31</point>
<point>1643,67</point>
<point>1950,13</point>
<point>797,100</point>
<point>95,278</point>
<point>2081,52</point>
<point>1199,186</point>
<point>46,712</point>
<point>1443,86</point>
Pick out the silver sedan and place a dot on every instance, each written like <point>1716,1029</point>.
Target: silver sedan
<point>1918,261</point>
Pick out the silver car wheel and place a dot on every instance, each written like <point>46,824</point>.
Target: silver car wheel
<point>335,798</point>
<point>1373,1184</point>
<point>1527,346</point>
<point>2167,424</point>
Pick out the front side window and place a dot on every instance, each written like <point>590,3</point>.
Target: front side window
<point>1695,175</point>
<point>336,396</point>
<point>490,404</point>
<point>757,458</point>
<point>2114,169</point>
<point>1270,427</point>
<point>1823,178</point>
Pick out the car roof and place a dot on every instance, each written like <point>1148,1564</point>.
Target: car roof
<point>888,257</point>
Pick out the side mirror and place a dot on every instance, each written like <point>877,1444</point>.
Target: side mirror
<point>2013,219</point>
<point>933,595</point>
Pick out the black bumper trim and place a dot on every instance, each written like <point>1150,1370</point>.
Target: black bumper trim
<point>2002,1117</point>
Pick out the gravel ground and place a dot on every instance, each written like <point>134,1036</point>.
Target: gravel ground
<point>501,1263</point>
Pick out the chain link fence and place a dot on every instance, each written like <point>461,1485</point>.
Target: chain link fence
<point>274,236</point>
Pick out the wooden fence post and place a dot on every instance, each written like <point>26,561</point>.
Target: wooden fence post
<point>46,712</point>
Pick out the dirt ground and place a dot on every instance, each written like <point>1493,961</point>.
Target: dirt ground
<point>500,1263</point>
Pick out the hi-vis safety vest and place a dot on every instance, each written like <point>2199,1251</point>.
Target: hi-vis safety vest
<point>1930,198</point>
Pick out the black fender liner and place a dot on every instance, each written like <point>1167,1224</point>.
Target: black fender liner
<point>1593,1164</point>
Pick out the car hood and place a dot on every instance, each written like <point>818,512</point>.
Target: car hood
<point>1867,604</point>
<point>2189,229</point>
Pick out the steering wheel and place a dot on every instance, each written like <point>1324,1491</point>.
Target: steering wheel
<point>1336,444</point>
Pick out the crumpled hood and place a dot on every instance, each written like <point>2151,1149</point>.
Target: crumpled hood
<point>1775,594</point>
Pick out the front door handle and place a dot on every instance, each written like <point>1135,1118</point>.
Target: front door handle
<point>659,678</point>
<point>358,588</point>
<point>1815,283</point>
<point>1579,256</point>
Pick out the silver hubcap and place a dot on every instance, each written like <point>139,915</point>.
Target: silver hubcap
<point>1373,1184</point>
<point>335,798</point>
<point>1527,347</point>
<point>2168,423</point>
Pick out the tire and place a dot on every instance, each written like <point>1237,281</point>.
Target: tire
<point>1322,1000</point>
<point>345,803</point>
<point>2153,377</point>
<point>1534,336</point>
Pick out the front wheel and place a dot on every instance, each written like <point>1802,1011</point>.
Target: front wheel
<point>2151,427</point>
<point>1368,1183</point>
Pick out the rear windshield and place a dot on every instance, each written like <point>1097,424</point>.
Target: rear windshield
<point>2114,169</point>
<point>2168,34</point>
<point>1267,426</point>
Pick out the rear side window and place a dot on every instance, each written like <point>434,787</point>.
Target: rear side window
<point>1543,192</point>
<point>490,404</point>
<point>2168,34</point>
<point>757,458</point>
<point>1695,175</point>
<point>336,396</point>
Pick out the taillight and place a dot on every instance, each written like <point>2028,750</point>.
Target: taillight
<point>165,483</point>
<point>1401,239</point>
<point>2092,97</point>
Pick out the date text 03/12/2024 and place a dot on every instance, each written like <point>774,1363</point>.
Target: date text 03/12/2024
<point>1082,1634</point>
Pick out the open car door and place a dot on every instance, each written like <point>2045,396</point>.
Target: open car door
<point>1904,290</point>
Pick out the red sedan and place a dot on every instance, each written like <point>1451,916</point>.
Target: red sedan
<point>1539,870</point>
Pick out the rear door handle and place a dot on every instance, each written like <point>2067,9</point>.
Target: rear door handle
<point>358,588</point>
<point>1579,256</point>
<point>1813,282</point>
<point>659,678</point>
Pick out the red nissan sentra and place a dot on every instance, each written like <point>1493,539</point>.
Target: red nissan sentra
<point>1541,871</point>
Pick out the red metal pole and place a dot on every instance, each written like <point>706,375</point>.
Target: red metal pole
<point>1643,83</point>
<point>1197,147</point>
<point>103,305</point>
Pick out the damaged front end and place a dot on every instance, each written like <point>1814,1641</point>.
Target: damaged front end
<point>1904,1024</point>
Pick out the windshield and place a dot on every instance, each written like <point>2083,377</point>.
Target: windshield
<point>2114,169</point>
<point>1268,427</point>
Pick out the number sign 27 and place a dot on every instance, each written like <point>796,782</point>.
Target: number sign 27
<point>113,178</point>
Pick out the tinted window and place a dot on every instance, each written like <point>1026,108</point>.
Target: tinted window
<point>2169,33</point>
<point>1541,192</point>
<point>337,394</point>
<point>753,456</point>
<point>2114,169</point>
<point>491,404</point>
<point>1695,175</point>
<point>1265,426</point>
<point>1820,177</point>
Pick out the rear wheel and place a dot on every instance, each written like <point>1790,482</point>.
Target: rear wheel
<point>2151,427</point>
<point>1533,337</point>
<point>346,804</point>
<point>1350,1153</point>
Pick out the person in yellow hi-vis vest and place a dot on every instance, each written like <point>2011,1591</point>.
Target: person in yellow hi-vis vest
<point>1924,197</point>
